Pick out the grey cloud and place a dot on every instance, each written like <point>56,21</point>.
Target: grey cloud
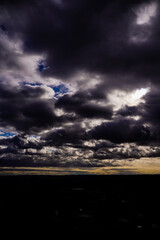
<point>25,109</point>
<point>78,104</point>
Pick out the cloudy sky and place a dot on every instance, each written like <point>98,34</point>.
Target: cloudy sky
<point>80,86</point>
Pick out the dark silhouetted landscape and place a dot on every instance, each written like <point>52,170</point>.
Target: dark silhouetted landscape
<point>75,205</point>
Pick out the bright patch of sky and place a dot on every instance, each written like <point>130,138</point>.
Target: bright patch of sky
<point>139,93</point>
<point>141,29</point>
<point>121,98</point>
<point>146,12</point>
<point>33,137</point>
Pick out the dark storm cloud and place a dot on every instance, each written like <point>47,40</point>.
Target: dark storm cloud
<point>74,134</point>
<point>125,129</point>
<point>16,160</point>
<point>86,35</point>
<point>80,104</point>
<point>151,108</point>
<point>148,111</point>
<point>8,58</point>
<point>129,111</point>
<point>20,142</point>
<point>25,109</point>
<point>103,154</point>
<point>27,160</point>
<point>122,131</point>
<point>91,37</point>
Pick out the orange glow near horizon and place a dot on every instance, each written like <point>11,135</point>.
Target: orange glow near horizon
<point>134,167</point>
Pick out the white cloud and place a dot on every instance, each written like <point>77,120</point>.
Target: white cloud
<point>141,28</point>
<point>139,93</point>
<point>146,12</point>
<point>119,98</point>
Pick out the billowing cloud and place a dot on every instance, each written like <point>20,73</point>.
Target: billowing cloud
<point>81,104</point>
<point>28,109</point>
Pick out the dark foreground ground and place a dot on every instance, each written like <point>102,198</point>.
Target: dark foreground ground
<point>79,205</point>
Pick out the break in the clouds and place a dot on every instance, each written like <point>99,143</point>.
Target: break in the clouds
<point>79,83</point>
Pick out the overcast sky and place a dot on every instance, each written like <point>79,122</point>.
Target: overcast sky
<point>80,84</point>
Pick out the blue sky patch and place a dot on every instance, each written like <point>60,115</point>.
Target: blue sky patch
<point>42,66</point>
<point>6,134</point>
<point>31,84</point>
<point>60,89</point>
